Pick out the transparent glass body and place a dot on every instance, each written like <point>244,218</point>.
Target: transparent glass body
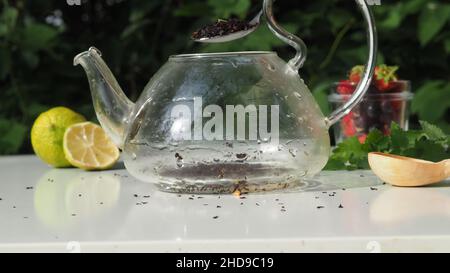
<point>215,123</point>
<point>162,146</point>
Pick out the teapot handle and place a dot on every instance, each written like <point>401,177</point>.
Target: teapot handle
<point>297,62</point>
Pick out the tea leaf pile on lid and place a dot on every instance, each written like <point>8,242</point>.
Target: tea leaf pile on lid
<point>221,28</point>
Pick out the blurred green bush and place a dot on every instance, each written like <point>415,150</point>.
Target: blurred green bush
<point>39,38</point>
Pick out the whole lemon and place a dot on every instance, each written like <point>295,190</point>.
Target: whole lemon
<point>47,135</point>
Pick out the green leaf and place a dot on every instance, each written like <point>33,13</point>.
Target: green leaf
<point>335,164</point>
<point>195,9</point>
<point>12,136</point>
<point>337,19</point>
<point>320,94</point>
<point>397,13</point>
<point>427,150</point>
<point>432,20</point>
<point>131,29</point>
<point>394,18</point>
<point>349,153</point>
<point>37,36</point>
<point>357,55</point>
<point>399,139</point>
<point>376,141</point>
<point>433,132</point>
<point>141,9</point>
<point>35,109</point>
<point>3,29</point>
<point>9,17</point>
<point>225,8</point>
<point>413,6</point>
<point>444,125</point>
<point>430,143</point>
<point>432,101</point>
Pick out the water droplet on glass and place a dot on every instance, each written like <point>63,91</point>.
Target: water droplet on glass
<point>259,141</point>
<point>293,152</point>
<point>271,67</point>
<point>179,159</point>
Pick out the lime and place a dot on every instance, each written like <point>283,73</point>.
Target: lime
<point>48,132</point>
<point>88,147</point>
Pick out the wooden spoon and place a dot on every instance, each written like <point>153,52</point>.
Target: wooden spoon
<point>408,172</point>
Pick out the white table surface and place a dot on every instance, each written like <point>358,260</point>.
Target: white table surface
<point>69,210</point>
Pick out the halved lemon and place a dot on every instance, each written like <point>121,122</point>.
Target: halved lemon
<point>87,147</point>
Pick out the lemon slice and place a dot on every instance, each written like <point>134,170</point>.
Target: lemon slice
<point>87,147</point>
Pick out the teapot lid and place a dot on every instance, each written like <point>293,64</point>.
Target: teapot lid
<point>222,54</point>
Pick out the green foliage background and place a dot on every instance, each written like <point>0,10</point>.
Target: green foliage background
<point>39,38</point>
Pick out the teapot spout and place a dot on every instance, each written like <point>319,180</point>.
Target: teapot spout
<point>111,105</point>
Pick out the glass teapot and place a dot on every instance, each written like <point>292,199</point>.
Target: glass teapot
<point>222,122</point>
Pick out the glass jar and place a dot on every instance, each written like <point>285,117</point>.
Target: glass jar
<point>376,111</point>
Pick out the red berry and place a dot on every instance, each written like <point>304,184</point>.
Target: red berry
<point>396,105</point>
<point>356,73</point>
<point>382,85</point>
<point>348,126</point>
<point>345,88</point>
<point>362,138</point>
<point>355,78</point>
<point>398,86</point>
<point>385,77</point>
